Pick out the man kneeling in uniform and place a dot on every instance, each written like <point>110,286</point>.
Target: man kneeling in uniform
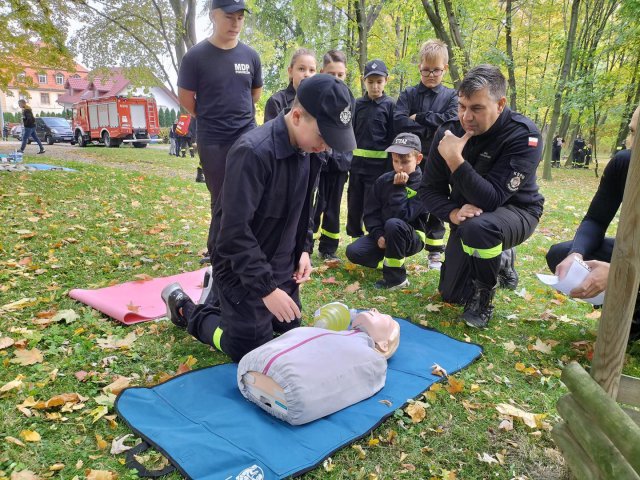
<point>481,177</point>
<point>262,223</point>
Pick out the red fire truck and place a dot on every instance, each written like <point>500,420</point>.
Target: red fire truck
<point>116,120</point>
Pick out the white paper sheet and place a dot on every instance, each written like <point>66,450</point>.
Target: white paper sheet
<point>575,276</point>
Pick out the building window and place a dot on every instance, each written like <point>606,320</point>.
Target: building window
<point>42,78</point>
<point>22,76</point>
<point>75,76</point>
<point>44,99</point>
<point>59,79</point>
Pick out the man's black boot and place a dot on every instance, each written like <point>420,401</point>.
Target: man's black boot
<point>200,176</point>
<point>479,308</point>
<point>507,276</point>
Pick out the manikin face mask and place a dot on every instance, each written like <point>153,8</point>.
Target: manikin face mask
<point>383,330</point>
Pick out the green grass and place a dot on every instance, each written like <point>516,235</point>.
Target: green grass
<point>128,212</point>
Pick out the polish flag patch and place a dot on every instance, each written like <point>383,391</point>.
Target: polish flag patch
<point>533,142</point>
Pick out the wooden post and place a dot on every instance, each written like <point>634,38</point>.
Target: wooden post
<point>576,458</point>
<point>622,287</point>
<point>602,452</point>
<point>606,413</point>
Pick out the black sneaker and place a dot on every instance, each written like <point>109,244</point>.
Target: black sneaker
<point>508,276</point>
<point>435,260</point>
<point>175,298</point>
<point>200,176</point>
<point>329,257</point>
<point>479,309</point>
<point>383,284</point>
<point>206,258</point>
<point>41,151</point>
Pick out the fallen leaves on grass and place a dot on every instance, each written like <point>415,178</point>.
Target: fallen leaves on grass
<point>15,441</point>
<point>12,385</point>
<point>27,357</point>
<point>540,346</point>
<point>361,453</point>
<point>118,446</point>
<point>114,343</point>
<point>416,410</point>
<point>454,386</point>
<point>6,342</point>
<point>119,384</point>
<point>438,371</point>
<point>30,436</point>
<point>353,288</point>
<point>100,475</point>
<point>330,281</point>
<point>532,420</point>
<point>24,475</point>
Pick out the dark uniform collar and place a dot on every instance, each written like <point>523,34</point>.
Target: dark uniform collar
<point>377,100</point>
<point>283,147</point>
<point>435,90</point>
<point>290,90</point>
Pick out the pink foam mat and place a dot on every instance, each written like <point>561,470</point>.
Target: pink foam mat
<point>138,301</point>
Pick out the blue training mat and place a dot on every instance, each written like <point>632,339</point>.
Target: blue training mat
<point>202,423</point>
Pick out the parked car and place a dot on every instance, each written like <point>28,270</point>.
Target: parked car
<point>16,132</point>
<point>54,130</point>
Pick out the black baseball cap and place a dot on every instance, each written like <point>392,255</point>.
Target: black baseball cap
<point>405,143</point>
<point>331,103</point>
<point>375,67</point>
<point>229,6</point>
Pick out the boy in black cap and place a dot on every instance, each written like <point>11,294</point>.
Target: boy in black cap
<point>373,126</point>
<point>262,223</point>
<point>421,110</point>
<point>219,82</point>
<point>394,216</point>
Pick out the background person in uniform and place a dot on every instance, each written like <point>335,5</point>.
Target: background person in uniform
<point>482,179</point>
<point>556,150</point>
<point>578,151</point>
<point>588,152</point>
<point>373,126</point>
<point>334,173</point>
<point>302,65</point>
<point>5,132</point>
<point>262,224</point>
<point>590,242</point>
<point>219,81</point>
<point>29,126</point>
<point>394,215</point>
<point>421,110</point>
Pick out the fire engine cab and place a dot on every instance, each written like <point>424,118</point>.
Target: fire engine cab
<point>116,120</point>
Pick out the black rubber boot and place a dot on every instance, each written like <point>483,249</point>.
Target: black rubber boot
<point>479,309</point>
<point>507,276</point>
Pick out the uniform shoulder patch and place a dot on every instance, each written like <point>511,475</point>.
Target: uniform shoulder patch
<point>513,184</point>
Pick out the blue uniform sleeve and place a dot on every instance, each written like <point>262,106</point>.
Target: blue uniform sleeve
<point>401,114</point>
<point>516,164</point>
<point>188,73</point>
<point>603,207</point>
<point>242,193</point>
<point>434,190</point>
<point>433,120</point>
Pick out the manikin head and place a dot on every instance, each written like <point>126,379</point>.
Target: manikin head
<point>383,330</point>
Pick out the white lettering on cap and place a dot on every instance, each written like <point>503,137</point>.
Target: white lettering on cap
<point>345,115</point>
<point>374,66</point>
<point>403,141</point>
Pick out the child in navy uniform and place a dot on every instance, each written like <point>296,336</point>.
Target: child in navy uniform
<point>262,225</point>
<point>373,126</point>
<point>421,110</point>
<point>303,65</point>
<point>333,177</point>
<point>394,216</point>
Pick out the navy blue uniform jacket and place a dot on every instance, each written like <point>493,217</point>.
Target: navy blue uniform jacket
<point>386,201</point>
<point>499,169</point>
<point>432,106</point>
<point>278,102</point>
<point>373,127</point>
<point>262,220</point>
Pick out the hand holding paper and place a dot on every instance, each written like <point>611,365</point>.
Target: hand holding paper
<point>574,284</point>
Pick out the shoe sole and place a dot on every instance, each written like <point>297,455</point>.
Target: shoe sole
<point>206,285</point>
<point>166,293</point>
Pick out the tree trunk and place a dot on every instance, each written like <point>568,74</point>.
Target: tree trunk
<point>557,104</point>
<point>510,62</point>
<point>631,102</point>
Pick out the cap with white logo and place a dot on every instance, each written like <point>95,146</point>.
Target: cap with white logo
<point>331,103</point>
<point>375,67</point>
<point>405,143</point>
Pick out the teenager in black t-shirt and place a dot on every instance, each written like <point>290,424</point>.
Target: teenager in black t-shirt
<point>219,82</point>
